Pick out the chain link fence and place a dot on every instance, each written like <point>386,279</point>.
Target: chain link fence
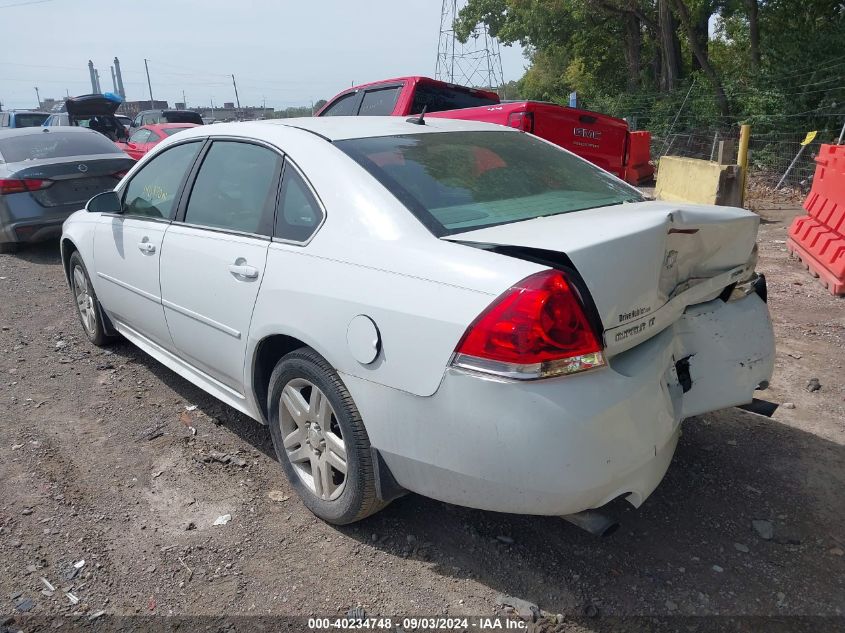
<point>770,154</point>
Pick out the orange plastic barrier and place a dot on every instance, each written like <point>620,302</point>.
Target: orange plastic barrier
<point>638,168</point>
<point>818,238</point>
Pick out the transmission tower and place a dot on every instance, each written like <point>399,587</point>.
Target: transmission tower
<point>477,63</point>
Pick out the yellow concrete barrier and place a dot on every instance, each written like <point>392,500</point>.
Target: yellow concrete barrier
<point>699,181</point>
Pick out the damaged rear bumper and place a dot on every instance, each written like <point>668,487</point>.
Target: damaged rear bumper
<point>562,445</point>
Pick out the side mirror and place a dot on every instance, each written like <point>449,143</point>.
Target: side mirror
<point>106,202</point>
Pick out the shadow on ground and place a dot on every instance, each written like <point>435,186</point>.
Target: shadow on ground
<point>690,549</point>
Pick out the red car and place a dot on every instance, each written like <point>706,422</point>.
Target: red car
<point>601,139</point>
<point>145,138</point>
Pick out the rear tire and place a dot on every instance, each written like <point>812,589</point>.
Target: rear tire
<point>318,434</point>
<point>9,247</point>
<point>88,308</point>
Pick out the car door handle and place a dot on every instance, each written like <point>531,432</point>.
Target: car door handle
<point>147,247</point>
<point>242,270</point>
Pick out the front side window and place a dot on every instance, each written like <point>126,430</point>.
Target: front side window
<point>379,102</point>
<point>153,191</point>
<point>344,106</point>
<point>236,188</point>
<point>299,213</point>
<point>460,181</point>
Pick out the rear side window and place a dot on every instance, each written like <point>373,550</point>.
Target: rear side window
<point>299,213</point>
<point>54,144</point>
<point>379,102</point>
<point>236,188</point>
<point>152,191</point>
<point>344,106</point>
<point>438,98</point>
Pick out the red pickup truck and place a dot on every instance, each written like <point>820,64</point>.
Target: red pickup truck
<point>601,139</point>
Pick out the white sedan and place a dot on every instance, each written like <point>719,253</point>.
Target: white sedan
<point>446,307</point>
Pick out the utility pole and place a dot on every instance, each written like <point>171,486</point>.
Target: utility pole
<point>184,100</point>
<point>237,99</point>
<point>149,85</point>
<point>38,97</point>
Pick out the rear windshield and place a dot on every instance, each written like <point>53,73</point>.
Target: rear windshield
<point>30,120</point>
<point>460,181</point>
<point>181,117</point>
<point>17,149</point>
<point>170,131</point>
<point>438,98</point>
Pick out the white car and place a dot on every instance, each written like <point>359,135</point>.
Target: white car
<point>452,308</point>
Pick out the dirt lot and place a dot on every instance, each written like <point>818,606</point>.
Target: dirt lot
<point>105,459</point>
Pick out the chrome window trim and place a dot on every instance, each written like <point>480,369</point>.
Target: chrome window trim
<point>129,216</point>
<point>215,229</point>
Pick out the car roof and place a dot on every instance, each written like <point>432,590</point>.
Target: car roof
<point>419,79</point>
<point>25,131</point>
<point>28,112</point>
<point>162,110</point>
<point>156,127</point>
<point>338,128</point>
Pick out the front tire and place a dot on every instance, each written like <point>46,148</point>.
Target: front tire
<point>9,247</point>
<point>88,308</point>
<point>320,439</point>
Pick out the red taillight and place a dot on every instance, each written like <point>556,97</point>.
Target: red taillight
<point>17,185</point>
<point>521,121</point>
<point>536,329</point>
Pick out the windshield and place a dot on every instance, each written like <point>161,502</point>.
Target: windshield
<point>181,117</point>
<point>460,181</point>
<point>14,149</point>
<point>30,120</point>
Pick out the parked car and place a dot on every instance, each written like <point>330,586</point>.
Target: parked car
<point>154,117</point>
<point>603,140</point>
<point>46,174</point>
<point>145,138</point>
<point>22,118</point>
<point>94,111</point>
<point>449,307</point>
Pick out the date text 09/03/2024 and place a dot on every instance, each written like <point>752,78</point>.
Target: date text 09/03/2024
<point>418,624</point>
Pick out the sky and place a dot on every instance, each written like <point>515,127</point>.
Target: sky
<point>282,53</point>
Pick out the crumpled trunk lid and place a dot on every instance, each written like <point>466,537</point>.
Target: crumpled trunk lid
<point>643,263</point>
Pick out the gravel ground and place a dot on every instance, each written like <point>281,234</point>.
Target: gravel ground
<point>111,459</point>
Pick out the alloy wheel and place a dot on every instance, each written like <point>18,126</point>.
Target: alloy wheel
<point>312,438</point>
<point>84,300</point>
